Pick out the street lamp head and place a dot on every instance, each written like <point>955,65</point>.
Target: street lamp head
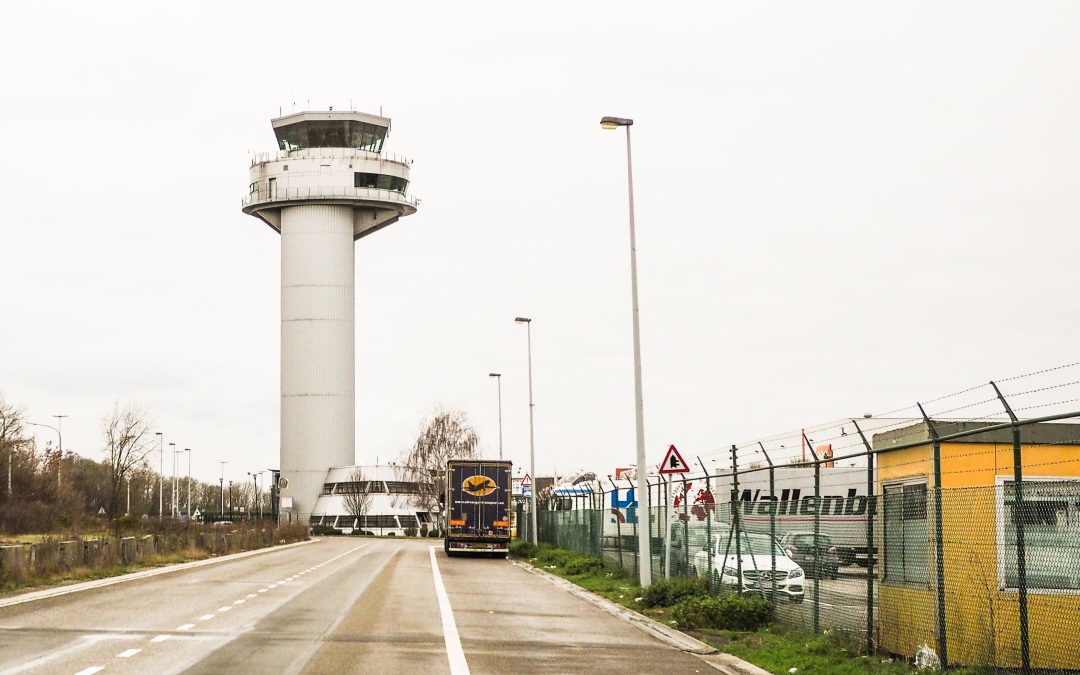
<point>494,374</point>
<point>173,444</point>
<point>522,319</point>
<point>615,122</point>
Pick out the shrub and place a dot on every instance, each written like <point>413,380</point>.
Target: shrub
<point>584,564</point>
<point>726,612</point>
<point>410,531</point>
<point>667,592</point>
<point>519,548</point>
<point>322,530</point>
<point>548,555</point>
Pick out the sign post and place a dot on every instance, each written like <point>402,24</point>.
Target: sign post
<point>673,463</point>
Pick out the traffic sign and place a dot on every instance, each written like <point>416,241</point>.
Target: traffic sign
<point>673,462</point>
<point>526,481</point>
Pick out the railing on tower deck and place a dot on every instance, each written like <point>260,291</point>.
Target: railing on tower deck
<point>329,192</point>
<point>328,153</point>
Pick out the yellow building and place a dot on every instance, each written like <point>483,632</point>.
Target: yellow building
<point>979,534</point>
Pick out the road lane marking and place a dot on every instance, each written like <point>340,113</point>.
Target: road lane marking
<point>186,626</point>
<point>225,608</point>
<point>160,638</point>
<point>91,670</point>
<point>250,596</point>
<point>128,653</point>
<point>272,586</point>
<point>206,617</point>
<point>239,602</point>
<point>263,590</point>
<point>454,653</point>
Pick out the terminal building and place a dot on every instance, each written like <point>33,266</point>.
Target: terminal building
<point>377,499</point>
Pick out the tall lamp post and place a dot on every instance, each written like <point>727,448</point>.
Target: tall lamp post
<point>60,459</point>
<point>60,440</point>
<point>222,462</point>
<point>498,378</point>
<point>172,495</point>
<point>161,475</point>
<point>644,554</point>
<point>532,442</point>
<point>188,451</point>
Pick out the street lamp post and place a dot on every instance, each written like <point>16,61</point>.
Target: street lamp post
<point>498,378</point>
<point>60,459</point>
<point>60,438</point>
<point>161,475</point>
<point>188,451</point>
<point>644,554</point>
<point>172,495</point>
<point>222,462</point>
<point>532,440</point>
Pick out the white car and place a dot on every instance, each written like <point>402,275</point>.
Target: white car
<point>757,566</point>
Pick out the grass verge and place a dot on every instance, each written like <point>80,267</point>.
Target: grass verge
<point>775,648</point>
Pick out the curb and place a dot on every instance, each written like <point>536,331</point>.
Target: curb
<point>725,663</point>
<point>34,596</point>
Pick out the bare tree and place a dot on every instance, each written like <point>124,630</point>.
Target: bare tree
<point>128,440</point>
<point>448,435</point>
<point>11,435</point>
<point>357,495</point>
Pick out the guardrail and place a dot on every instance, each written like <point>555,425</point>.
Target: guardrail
<point>329,192</point>
<point>328,153</point>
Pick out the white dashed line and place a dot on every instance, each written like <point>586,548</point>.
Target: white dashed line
<point>239,602</point>
<point>272,586</point>
<point>206,617</point>
<point>225,608</point>
<point>160,638</point>
<point>263,590</point>
<point>128,653</point>
<point>250,596</point>
<point>186,626</point>
<point>91,670</point>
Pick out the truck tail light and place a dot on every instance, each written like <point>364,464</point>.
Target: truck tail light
<point>456,522</point>
<point>501,523</point>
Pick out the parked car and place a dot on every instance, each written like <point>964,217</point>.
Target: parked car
<point>758,553</point>
<point>825,562</point>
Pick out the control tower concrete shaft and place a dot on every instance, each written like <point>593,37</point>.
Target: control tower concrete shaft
<point>328,185</point>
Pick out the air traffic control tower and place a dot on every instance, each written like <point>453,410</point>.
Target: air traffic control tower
<point>328,185</point>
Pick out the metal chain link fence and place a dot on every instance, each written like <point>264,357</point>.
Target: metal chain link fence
<point>964,537</point>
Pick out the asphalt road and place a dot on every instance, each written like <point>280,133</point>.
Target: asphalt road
<point>336,605</point>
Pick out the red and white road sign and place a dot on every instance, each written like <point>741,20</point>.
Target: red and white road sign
<point>526,481</point>
<point>673,462</point>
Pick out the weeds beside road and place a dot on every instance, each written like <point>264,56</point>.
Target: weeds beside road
<point>738,625</point>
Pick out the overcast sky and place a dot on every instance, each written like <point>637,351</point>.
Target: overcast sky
<point>841,208</point>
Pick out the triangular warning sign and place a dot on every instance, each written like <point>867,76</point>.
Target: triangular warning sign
<point>526,481</point>
<point>673,462</point>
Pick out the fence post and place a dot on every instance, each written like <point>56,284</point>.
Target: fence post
<point>939,545</point>
<point>870,514</point>
<point>735,515</point>
<point>685,529</point>
<point>1018,523</point>
<point>708,525</point>
<point>618,517</point>
<point>772,520</point>
<point>817,535</point>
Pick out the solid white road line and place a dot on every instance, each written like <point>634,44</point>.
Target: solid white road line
<point>454,652</point>
<point>128,653</point>
<point>91,670</point>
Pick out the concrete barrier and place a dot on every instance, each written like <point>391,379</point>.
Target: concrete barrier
<point>69,554</point>
<point>13,561</point>
<point>127,550</point>
<point>44,557</point>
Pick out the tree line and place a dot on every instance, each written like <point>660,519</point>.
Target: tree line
<point>44,491</point>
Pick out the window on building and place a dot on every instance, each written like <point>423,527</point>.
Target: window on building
<point>378,521</point>
<point>906,537</point>
<point>1051,522</point>
<point>380,180</point>
<point>346,521</point>
<point>397,487</point>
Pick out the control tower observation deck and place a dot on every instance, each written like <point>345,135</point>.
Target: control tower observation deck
<point>329,184</point>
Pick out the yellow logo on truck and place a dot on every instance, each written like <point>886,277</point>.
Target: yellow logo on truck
<point>479,486</point>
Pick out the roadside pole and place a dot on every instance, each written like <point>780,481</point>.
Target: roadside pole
<point>673,464</point>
